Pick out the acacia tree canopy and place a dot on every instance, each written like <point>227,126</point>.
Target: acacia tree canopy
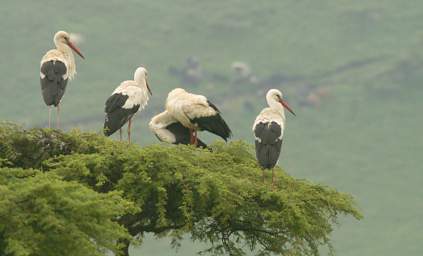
<point>84,193</point>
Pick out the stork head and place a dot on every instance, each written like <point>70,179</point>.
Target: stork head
<point>275,95</point>
<point>141,75</point>
<point>63,38</point>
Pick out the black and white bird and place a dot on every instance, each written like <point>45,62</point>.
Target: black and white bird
<point>268,130</point>
<point>195,112</point>
<point>168,129</point>
<point>56,68</point>
<point>126,100</point>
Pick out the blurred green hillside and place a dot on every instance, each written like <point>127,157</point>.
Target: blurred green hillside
<point>362,136</point>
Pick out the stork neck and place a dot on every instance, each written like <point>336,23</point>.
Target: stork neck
<point>63,48</point>
<point>68,54</point>
<point>274,104</point>
<point>140,79</point>
<point>140,82</point>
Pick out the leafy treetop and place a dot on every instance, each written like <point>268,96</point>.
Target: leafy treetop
<point>81,192</point>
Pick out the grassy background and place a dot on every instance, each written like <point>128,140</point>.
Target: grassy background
<point>364,138</point>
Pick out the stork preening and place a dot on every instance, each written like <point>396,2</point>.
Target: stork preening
<point>168,129</point>
<point>126,100</point>
<point>268,130</point>
<point>195,112</point>
<point>56,68</point>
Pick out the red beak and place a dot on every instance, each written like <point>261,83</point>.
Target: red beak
<point>285,105</point>
<point>74,48</point>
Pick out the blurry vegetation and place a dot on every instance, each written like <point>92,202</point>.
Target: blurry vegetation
<point>78,193</point>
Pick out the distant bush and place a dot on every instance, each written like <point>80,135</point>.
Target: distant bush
<point>85,194</point>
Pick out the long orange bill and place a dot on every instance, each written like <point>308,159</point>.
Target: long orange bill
<point>285,105</point>
<point>75,49</point>
<point>148,87</point>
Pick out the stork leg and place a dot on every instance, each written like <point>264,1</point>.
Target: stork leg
<point>273,178</point>
<point>49,116</point>
<point>129,130</point>
<point>191,136</point>
<point>120,134</point>
<point>195,138</point>
<point>58,117</point>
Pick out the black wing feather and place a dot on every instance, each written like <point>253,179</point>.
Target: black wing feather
<point>115,101</point>
<point>116,115</point>
<point>53,86</point>
<point>214,124</point>
<point>268,144</point>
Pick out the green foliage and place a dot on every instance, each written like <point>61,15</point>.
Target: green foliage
<point>215,196</point>
<point>40,214</point>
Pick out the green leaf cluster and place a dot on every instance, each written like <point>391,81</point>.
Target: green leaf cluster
<point>84,193</point>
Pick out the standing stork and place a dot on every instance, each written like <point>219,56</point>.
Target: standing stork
<point>129,97</point>
<point>56,68</point>
<point>168,129</point>
<point>195,112</point>
<point>268,130</point>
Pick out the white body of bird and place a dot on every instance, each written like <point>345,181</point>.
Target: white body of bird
<point>137,92</point>
<point>158,125</point>
<point>269,129</point>
<point>195,112</point>
<point>168,129</point>
<point>185,107</point>
<point>274,113</point>
<point>126,100</point>
<point>57,66</point>
<point>63,53</point>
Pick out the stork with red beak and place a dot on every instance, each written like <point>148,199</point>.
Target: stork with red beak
<point>268,130</point>
<point>56,68</point>
<point>126,100</point>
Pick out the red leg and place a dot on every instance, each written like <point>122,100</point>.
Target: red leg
<point>129,130</point>
<point>191,137</point>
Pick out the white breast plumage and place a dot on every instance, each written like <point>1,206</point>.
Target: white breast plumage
<point>136,96</point>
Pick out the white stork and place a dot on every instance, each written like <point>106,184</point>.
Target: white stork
<point>56,68</point>
<point>129,97</point>
<point>168,129</point>
<point>195,112</point>
<point>268,130</point>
